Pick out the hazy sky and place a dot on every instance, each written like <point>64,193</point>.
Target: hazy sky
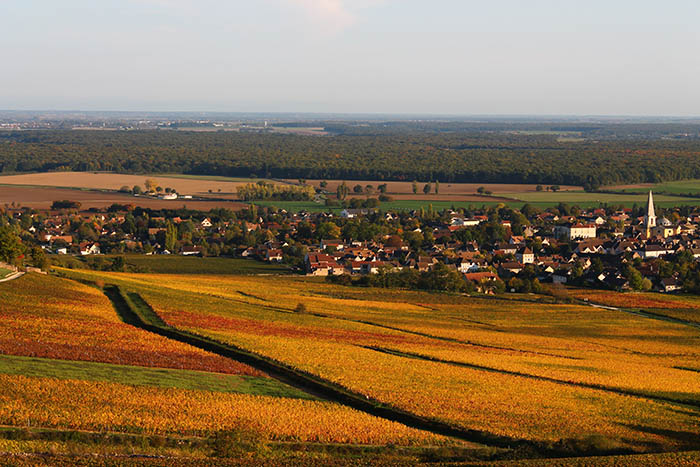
<point>631,57</point>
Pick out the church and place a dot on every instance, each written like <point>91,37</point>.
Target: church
<point>653,228</point>
<point>650,216</point>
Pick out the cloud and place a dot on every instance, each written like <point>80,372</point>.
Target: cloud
<point>333,15</point>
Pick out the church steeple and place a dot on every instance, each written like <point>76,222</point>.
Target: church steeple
<point>650,217</point>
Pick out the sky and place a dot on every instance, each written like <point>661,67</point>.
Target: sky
<point>440,57</point>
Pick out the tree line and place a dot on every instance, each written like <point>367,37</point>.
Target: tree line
<point>445,157</point>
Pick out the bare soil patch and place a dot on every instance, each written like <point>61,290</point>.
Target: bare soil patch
<point>41,198</point>
<point>111,181</point>
<point>406,188</point>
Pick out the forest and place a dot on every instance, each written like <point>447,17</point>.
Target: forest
<point>411,154</point>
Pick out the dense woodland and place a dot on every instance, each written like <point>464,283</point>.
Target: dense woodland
<point>447,156</point>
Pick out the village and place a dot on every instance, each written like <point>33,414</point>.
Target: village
<point>492,249</point>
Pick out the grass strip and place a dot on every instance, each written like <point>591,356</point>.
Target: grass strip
<point>144,376</point>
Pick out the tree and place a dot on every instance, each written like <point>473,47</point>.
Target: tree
<point>170,237</point>
<point>369,189</point>
<point>426,188</point>
<point>150,184</point>
<point>323,184</point>
<point>481,190</point>
<point>328,230</point>
<point>118,264</point>
<point>437,187</point>
<point>597,265</point>
<point>414,186</point>
<point>11,248</point>
<point>125,189</point>
<point>382,188</point>
<point>555,188</point>
<point>539,188</point>
<point>65,204</point>
<point>440,277</point>
<point>39,259</point>
<point>136,190</point>
<point>635,278</point>
<point>342,191</point>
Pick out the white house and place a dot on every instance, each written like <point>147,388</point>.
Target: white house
<point>525,255</point>
<point>574,231</point>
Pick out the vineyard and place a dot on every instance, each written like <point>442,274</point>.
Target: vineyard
<point>479,364</point>
<point>564,378</point>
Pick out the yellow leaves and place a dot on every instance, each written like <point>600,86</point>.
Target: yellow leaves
<point>568,342</point>
<point>56,318</point>
<point>116,407</point>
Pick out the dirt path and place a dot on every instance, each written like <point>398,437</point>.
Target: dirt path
<point>645,314</point>
<point>13,276</point>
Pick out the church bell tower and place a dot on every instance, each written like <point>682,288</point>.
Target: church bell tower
<point>650,216</point>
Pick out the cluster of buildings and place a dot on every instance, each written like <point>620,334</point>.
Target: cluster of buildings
<point>590,248</point>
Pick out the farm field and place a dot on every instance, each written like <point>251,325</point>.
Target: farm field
<point>185,184</point>
<point>541,200</point>
<point>48,317</point>
<point>677,187</point>
<point>406,188</point>
<point>68,362</point>
<point>582,198</point>
<point>39,190</point>
<point>95,406</point>
<point>683,307</point>
<point>42,198</point>
<point>512,369</point>
<point>163,264</point>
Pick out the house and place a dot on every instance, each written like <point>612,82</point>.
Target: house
<point>273,255</point>
<point>525,255</point>
<point>511,267</point>
<point>335,244</point>
<point>352,213</point>
<point>575,231</point>
<point>62,238</point>
<point>89,248</point>
<point>481,279</point>
<point>669,284</point>
<point>206,223</point>
<point>591,246</point>
<point>191,251</point>
<point>457,221</point>
<point>469,265</point>
<point>319,264</point>
<point>504,249</point>
<point>654,251</point>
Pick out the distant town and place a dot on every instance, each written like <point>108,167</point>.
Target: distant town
<point>491,250</point>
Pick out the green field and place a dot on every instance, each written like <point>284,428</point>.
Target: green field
<point>542,200</point>
<point>679,187</point>
<point>4,272</point>
<point>142,376</point>
<point>170,264</point>
<point>583,198</point>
